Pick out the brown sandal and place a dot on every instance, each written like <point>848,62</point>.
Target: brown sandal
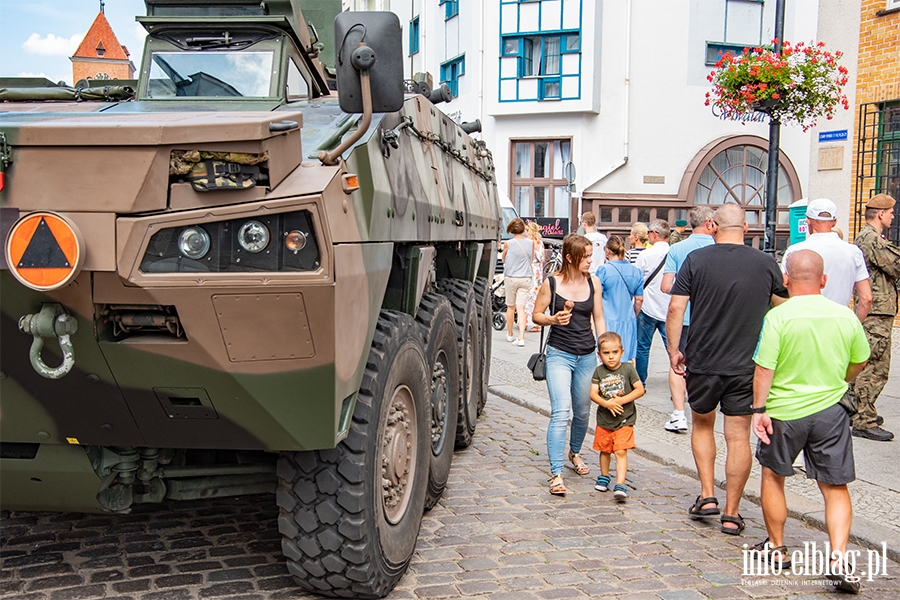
<point>578,463</point>
<point>557,487</point>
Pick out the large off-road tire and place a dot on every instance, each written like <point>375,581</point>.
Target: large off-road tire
<point>468,337</point>
<point>350,516</point>
<point>485,316</point>
<point>435,319</point>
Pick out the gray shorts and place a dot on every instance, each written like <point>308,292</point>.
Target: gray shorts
<point>825,440</point>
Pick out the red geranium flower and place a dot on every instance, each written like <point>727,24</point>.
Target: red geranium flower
<point>798,85</point>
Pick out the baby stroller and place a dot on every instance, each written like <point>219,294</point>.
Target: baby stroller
<point>498,303</point>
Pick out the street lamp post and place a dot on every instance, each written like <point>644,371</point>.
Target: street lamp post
<point>570,187</point>
<point>774,140</point>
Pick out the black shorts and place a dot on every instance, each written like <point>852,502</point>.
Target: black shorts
<point>826,443</point>
<point>733,394</point>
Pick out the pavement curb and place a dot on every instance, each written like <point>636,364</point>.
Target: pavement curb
<point>863,532</point>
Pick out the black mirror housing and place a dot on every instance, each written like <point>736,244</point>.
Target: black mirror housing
<point>381,33</point>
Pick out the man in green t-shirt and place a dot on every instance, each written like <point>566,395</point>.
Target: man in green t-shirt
<point>808,350</point>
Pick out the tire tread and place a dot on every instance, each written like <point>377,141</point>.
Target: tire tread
<point>324,507</point>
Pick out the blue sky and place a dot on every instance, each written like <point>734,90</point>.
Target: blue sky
<point>37,37</point>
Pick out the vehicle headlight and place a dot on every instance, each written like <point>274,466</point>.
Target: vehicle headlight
<point>253,236</point>
<point>295,241</point>
<point>193,242</point>
<point>236,244</point>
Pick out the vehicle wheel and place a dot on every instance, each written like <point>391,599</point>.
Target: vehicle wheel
<point>435,320</point>
<point>499,321</point>
<point>350,516</point>
<point>468,338</point>
<point>483,375</point>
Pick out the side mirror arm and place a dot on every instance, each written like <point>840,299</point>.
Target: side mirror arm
<point>363,58</point>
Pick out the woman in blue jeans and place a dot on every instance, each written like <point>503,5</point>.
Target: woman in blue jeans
<point>571,352</point>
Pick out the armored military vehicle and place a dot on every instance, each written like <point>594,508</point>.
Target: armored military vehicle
<point>234,283</point>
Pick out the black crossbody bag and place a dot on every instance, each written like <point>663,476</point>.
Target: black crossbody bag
<point>538,362</point>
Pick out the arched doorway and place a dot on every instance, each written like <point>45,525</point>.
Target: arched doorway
<point>730,169</point>
<point>734,171</point>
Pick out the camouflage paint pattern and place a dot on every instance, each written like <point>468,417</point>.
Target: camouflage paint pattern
<point>871,381</point>
<point>270,360</point>
<point>883,263</point>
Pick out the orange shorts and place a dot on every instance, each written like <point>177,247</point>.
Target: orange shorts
<point>608,441</point>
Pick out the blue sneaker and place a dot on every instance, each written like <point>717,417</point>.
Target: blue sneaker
<point>602,484</point>
<point>620,492</point>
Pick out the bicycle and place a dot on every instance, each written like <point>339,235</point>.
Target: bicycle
<point>554,262</point>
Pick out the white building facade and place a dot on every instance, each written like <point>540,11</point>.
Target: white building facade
<point>617,88</point>
<point>832,143</point>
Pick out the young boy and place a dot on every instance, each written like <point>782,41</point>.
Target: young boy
<point>615,386</point>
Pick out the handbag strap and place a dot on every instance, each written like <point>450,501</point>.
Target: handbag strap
<point>622,277</point>
<point>552,281</point>
<point>519,244</point>
<point>655,271</point>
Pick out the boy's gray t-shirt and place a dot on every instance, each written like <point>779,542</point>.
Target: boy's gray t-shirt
<point>610,383</point>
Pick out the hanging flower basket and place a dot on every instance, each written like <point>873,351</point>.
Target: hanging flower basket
<point>798,86</point>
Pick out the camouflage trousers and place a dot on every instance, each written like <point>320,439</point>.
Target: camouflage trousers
<point>874,376</point>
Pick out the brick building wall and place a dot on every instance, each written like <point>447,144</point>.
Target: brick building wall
<point>877,80</point>
<point>100,55</point>
<point>100,69</point>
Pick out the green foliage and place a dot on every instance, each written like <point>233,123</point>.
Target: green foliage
<point>798,85</point>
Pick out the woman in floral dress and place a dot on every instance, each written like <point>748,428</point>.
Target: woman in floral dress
<point>533,232</point>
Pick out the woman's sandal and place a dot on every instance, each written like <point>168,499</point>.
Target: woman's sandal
<point>738,520</point>
<point>557,487</point>
<point>698,512</point>
<point>578,463</point>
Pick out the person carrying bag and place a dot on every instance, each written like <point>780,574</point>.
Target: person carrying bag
<point>537,364</point>
<point>575,302</point>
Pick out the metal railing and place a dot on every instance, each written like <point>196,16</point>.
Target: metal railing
<point>878,160</point>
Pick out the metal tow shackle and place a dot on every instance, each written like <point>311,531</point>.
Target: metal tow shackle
<point>52,321</point>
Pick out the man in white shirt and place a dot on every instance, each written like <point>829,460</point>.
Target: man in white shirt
<point>588,222</point>
<point>702,227</point>
<point>845,265</point>
<point>652,317</point>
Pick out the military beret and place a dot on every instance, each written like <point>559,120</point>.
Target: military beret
<point>881,202</point>
<point>680,223</point>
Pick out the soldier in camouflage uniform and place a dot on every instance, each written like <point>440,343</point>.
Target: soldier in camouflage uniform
<point>883,262</point>
<point>677,234</point>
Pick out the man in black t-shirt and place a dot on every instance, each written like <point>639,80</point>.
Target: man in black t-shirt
<point>731,287</point>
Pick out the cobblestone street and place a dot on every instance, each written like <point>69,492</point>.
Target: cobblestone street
<point>875,493</point>
<point>496,534</point>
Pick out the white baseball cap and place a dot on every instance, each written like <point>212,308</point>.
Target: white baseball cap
<point>821,209</point>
